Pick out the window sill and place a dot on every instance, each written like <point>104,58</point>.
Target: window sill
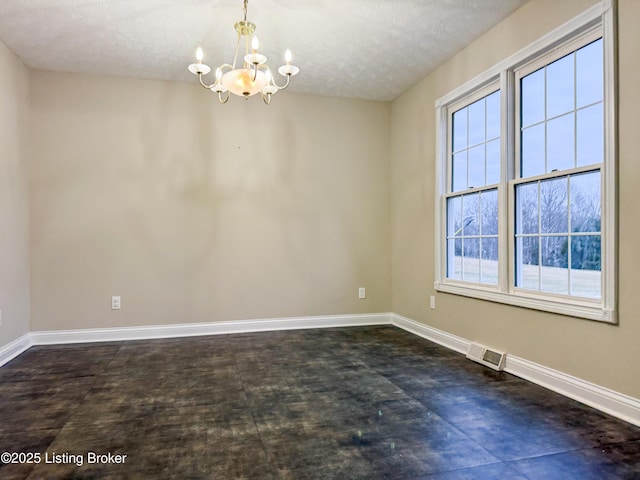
<point>546,304</point>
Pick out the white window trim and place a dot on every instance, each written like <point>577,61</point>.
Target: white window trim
<point>603,15</point>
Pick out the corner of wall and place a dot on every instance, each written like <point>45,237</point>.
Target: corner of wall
<point>15,276</point>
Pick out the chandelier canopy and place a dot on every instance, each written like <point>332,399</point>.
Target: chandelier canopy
<point>254,76</point>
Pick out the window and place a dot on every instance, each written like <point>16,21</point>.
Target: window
<point>526,177</point>
<point>561,137</point>
<point>472,216</point>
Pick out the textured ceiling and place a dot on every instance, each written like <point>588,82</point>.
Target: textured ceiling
<point>372,49</point>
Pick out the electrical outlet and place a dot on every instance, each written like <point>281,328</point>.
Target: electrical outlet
<point>115,303</point>
<point>432,302</point>
<point>362,293</point>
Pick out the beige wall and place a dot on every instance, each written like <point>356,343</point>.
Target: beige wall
<point>194,211</point>
<point>603,354</point>
<point>14,197</point>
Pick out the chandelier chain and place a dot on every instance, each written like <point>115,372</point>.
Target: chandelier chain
<point>245,9</point>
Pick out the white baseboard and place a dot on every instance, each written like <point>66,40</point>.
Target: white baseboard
<point>440,337</point>
<point>11,350</point>
<point>616,404</point>
<point>197,329</point>
<point>601,398</point>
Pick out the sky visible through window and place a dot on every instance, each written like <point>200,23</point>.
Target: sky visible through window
<point>561,102</point>
<point>476,144</point>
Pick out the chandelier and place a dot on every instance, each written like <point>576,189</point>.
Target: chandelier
<point>253,76</point>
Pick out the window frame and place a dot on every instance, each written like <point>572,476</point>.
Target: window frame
<point>593,23</point>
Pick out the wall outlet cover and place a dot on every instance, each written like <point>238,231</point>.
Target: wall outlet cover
<point>115,303</point>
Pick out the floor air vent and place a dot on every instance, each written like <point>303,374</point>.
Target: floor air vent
<point>486,356</point>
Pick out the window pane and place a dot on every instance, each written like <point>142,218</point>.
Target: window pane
<point>585,266</point>
<point>476,167</point>
<point>476,122</point>
<point>560,80</point>
<point>460,130</point>
<point>527,208</point>
<point>586,283</point>
<point>554,215</point>
<point>489,212</point>
<point>459,172</point>
<point>560,143</point>
<point>489,267</point>
<point>470,217</point>
<point>493,115</point>
<point>527,271</point>
<point>471,261</point>
<point>454,259</point>
<point>493,162</point>
<point>585,202</point>
<point>554,274</point>
<point>454,217</point>
<point>590,135</point>
<point>589,74</point>
<point>555,253</point>
<point>532,103</point>
<point>533,162</point>
<point>585,252</point>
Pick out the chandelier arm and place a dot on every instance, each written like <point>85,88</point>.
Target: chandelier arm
<point>219,81</point>
<point>266,98</point>
<point>283,86</point>
<point>220,97</point>
<point>204,84</point>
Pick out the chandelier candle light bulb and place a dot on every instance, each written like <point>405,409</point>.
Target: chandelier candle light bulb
<point>253,76</point>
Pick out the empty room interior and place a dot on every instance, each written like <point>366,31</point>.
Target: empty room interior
<point>409,252</point>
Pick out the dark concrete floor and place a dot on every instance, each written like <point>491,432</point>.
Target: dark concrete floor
<point>350,403</point>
